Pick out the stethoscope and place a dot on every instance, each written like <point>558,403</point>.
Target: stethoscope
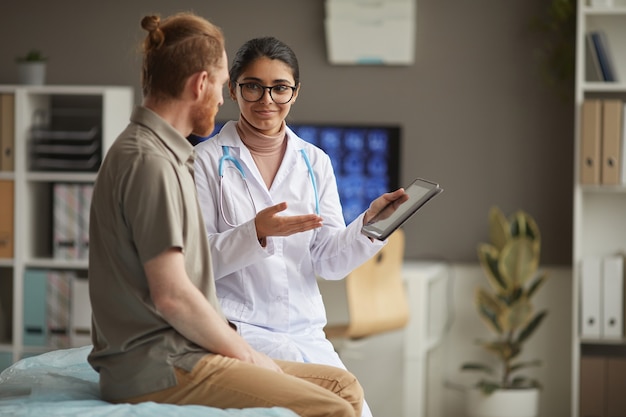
<point>227,157</point>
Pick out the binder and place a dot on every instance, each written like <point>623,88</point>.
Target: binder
<point>80,334</point>
<point>613,297</point>
<point>612,110</point>
<point>7,131</point>
<point>605,58</point>
<point>35,329</point>
<point>590,297</point>
<point>7,207</point>
<point>58,308</point>
<point>85,193</point>
<point>623,146</point>
<point>591,125</point>
<point>65,224</point>
<point>593,72</point>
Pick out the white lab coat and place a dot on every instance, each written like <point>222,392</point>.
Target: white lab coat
<point>271,293</point>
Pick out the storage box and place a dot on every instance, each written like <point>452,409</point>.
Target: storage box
<point>359,32</point>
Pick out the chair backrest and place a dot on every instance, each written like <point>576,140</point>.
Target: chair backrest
<point>375,292</point>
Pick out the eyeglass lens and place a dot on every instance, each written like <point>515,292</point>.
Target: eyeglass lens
<point>281,94</point>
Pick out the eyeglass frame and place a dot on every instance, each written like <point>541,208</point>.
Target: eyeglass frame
<point>264,87</point>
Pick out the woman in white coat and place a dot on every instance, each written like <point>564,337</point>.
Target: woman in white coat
<point>272,212</point>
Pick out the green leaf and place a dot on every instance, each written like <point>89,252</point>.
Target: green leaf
<point>503,349</point>
<point>536,284</point>
<point>488,387</point>
<point>488,255</point>
<point>473,366</point>
<point>489,309</point>
<point>518,262</point>
<point>524,382</point>
<point>499,232</point>
<point>517,315</point>
<point>521,365</point>
<point>531,327</point>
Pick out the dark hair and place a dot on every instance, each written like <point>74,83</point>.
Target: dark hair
<point>182,45</point>
<point>268,47</point>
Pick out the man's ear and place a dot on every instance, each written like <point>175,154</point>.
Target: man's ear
<point>198,82</point>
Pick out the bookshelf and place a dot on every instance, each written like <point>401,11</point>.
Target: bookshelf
<point>58,135</point>
<point>599,223</point>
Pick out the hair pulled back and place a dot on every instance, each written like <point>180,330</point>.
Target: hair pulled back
<point>268,47</point>
<point>174,49</point>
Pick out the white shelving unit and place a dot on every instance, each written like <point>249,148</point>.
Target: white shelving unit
<point>111,107</point>
<point>599,226</point>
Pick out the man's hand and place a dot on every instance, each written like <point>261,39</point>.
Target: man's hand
<point>269,223</point>
<point>264,361</point>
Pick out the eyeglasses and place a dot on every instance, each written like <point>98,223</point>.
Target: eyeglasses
<point>252,92</point>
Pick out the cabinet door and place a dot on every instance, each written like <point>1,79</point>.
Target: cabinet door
<point>592,386</point>
<point>616,387</point>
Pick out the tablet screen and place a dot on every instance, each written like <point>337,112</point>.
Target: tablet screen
<point>394,215</point>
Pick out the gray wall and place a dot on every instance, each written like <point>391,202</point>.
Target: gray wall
<point>476,115</point>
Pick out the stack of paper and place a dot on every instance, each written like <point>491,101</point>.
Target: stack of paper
<point>71,204</point>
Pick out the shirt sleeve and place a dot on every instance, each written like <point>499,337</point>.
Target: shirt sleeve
<point>153,206</point>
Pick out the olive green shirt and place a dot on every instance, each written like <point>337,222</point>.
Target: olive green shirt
<point>144,202</point>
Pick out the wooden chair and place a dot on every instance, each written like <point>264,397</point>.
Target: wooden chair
<point>375,294</point>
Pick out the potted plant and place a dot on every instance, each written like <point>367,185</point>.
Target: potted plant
<point>511,265</point>
<point>31,68</point>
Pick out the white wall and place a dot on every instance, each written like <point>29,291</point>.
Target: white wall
<point>379,366</point>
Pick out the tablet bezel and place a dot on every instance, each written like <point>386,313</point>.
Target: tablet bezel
<point>372,229</point>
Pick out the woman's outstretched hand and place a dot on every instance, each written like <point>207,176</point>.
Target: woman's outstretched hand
<point>269,223</point>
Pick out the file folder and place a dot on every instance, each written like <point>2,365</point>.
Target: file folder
<point>84,206</point>
<point>593,72</point>
<point>590,141</point>
<point>591,284</point>
<point>65,211</point>
<point>611,141</point>
<point>35,333</point>
<point>7,131</point>
<point>58,308</point>
<point>613,297</point>
<point>7,208</point>
<point>623,146</point>
<point>80,313</point>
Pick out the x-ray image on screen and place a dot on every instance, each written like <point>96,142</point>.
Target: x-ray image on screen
<point>366,160</point>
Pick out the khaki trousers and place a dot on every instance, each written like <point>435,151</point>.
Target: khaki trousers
<point>310,390</point>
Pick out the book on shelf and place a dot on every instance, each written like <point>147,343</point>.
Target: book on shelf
<point>604,56</point>
<point>71,204</point>
<point>590,141</point>
<point>7,131</point>
<point>611,141</point>
<point>603,142</point>
<point>6,218</point>
<point>623,144</point>
<point>593,72</point>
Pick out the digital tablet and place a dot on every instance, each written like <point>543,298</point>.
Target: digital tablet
<point>396,213</point>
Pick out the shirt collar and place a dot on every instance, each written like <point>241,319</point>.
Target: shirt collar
<point>165,133</point>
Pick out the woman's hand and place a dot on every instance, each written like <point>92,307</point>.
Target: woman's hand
<point>397,197</point>
<point>269,223</point>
